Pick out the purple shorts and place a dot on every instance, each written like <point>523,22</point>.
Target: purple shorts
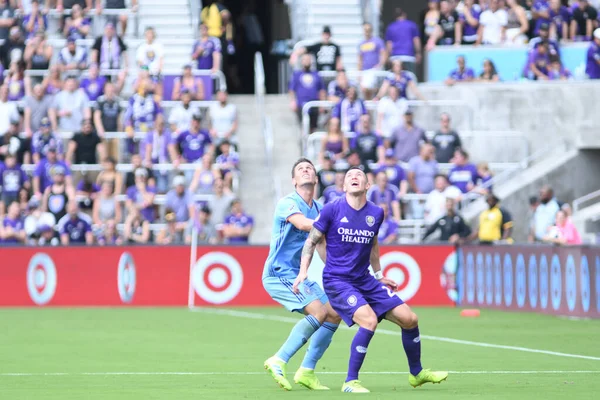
<point>346,297</point>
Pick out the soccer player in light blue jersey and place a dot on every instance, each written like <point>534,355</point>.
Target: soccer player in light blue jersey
<point>350,225</point>
<point>294,217</point>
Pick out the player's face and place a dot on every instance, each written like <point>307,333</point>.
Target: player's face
<point>356,182</point>
<point>304,174</point>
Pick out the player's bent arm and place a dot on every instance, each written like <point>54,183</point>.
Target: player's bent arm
<point>374,258</point>
<point>314,237</point>
<point>301,222</point>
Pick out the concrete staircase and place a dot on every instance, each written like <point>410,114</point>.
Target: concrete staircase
<point>344,17</point>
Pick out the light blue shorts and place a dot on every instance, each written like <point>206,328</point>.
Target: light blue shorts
<point>280,289</point>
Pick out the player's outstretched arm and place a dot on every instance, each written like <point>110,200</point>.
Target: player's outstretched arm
<point>375,264</point>
<point>314,237</point>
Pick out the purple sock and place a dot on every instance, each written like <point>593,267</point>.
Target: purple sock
<point>412,347</point>
<point>358,351</point>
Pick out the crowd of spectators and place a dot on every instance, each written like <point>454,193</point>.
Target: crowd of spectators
<point>60,112</point>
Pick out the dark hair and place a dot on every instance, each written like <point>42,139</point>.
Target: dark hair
<point>300,161</point>
<point>398,12</point>
<point>358,168</point>
<point>462,153</point>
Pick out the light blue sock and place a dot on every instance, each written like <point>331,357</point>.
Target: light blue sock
<point>299,335</point>
<point>318,344</point>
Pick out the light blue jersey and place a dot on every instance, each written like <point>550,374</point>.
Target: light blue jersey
<point>287,240</point>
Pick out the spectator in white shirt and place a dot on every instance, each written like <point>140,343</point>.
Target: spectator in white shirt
<point>151,55</point>
<point>8,111</point>
<point>492,25</point>
<point>544,216</point>
<point>181,116</point>
<point>223,118</point>
<point>435,205</point>
<point>390,112</point>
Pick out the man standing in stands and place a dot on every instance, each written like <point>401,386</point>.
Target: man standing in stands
<point>495,224</point>
<point>464,174</point>
<point>327,53</point>
<point>403,41</point>
<point>408,138</point>
<point>371,58</point>
<point>306,85</point>
<point>592,68</point>
<point>446,141</point>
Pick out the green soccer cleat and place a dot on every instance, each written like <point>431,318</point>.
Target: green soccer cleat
<point>307,378</point>
<point>276,368</point>
<point>354,387</point>
<point>427,375</point>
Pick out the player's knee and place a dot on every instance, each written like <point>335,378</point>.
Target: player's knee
<point>411,320</point>
<point>123,18</point>
<point>333,318</point>
<point>370,323</point>
<point>320,314</point>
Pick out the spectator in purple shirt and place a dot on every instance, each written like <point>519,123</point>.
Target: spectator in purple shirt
<point>337,89</point>
<point>207,51</point>
<point>180,200</point>
<point>75,227</point>
<point>460,74</point>
<point>403,80</point>
<point>35,21</point>
<point>388,231</point>
<point>72,57</point>
<point>372,57</point>
<point>539,63</point>
<point>191,145</point>
<point>560,18</point>
<point>336,190</point>
<point>43,139</point>
<point>592,67</point>
<point>556,71</point>
<point>227,163</point>
<point>141,196</point>
<point>464,174</point>
<point>349,110</point>
<point>540,13</point>
<point>403,42</point>
<point>12,179</point>
<point>394,172</point>
<point>383,192</point>
<point>12,229</point>
<point>141,114</point>
<point>77,25</point>
<point>306,85</point>
<point>238,225</point>
<point>45,170</point>
<point>469,19</point>
<point>93,84</point>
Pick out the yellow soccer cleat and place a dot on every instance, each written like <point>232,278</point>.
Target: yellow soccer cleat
<point>276,367</point>
<point>307,378</point>
<point>426,376</point>
<point>354,387</point>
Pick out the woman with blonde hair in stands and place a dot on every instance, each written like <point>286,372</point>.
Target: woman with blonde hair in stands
<point>334,142</point>
<point>109,174</point>
<point>194,84</point>
<point>563,232</point>
<point>53,83</point>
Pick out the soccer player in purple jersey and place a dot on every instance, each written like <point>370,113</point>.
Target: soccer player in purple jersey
<point>350,226</point>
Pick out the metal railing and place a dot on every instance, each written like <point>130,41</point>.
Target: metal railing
<point>585,201</point>
<point>121,167</point>
<point>97,18</point>
<point>372,105</point>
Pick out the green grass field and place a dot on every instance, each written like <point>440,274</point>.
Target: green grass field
<point>218,354</point>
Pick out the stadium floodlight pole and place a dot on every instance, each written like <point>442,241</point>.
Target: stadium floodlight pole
<point>193,254</point>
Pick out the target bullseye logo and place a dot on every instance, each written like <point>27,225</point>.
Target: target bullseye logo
<point>217,277</point>
<point>403,269</point>
<point>126,277</point>
<point>41,278</point>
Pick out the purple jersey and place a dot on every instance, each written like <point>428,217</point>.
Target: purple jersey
<point>401,82</point>
<point>16,224</point>
<point>470,32</point>
<point>134,195</point>
<point>74,31</point>
<point>40,143</point>
<point>306,86</point>
<point>240,221</point>
<point>76,228</point>
<point>16,89</point>
<point>207,48</point>
<point>89,188</point>
<point>333,89</point>
<point>349,113</point>
<point>332,193</point>
<point>394,173</point>
<point>560,17</point>
<point>461,176</point>
<point>388,228</point>
<point>36,25</point>
<point>402,34</point>
<point>370,51</point>
<point>205,182</point>
<point>463,75</point>
<point>142,112</point>
<point>160,146</point>
<point>46,169</point>
<point>12,179</point>
<point>592,68</point>
<point>231,158</point>
<point>93,87</point>
<point>541,6</point>
<point>192,144</point>
<point>349,234</point>
<point>387,195</point>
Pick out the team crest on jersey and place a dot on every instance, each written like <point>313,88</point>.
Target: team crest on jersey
<point>370,220</point>
<point>352,300</point>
